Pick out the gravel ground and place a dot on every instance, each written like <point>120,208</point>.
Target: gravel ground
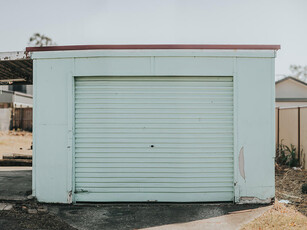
<point>288,184</point>
<point>19,218</point>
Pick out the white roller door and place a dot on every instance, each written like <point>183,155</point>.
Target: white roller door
<point>153,139</point>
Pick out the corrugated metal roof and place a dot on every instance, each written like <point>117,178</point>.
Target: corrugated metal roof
<point>15,68</point>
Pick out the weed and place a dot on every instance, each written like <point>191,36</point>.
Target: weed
<point>286,155</point>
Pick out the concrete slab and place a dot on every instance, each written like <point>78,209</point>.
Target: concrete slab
<point>15,184</point>
<point>231,221</point>
<point>138,216</point>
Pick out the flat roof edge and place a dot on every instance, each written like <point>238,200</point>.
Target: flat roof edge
<point>153,46</point>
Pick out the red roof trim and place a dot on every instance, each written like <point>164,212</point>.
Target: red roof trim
<point>124,47</point>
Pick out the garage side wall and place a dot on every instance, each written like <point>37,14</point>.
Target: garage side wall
<point>51,143</point>
<point>255,129</point>
<point>254,116</point>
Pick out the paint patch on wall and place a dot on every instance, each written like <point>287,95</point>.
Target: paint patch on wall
<point>69,197</point>
<point>241,163</point>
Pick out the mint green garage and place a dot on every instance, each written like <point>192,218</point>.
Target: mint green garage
<point>155,123</point>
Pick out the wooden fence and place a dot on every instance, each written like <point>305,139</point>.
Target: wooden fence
<point>22,119</point>
<point>291,128</point>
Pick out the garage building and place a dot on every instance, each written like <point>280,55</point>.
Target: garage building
<point>154,123</point>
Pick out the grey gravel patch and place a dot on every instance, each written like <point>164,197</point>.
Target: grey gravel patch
<point>32,211</point>
<point>30,197</point>
<point>8,207</point>
<point>42,209</point>
<point>5,206</point>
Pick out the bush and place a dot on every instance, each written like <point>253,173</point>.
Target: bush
<point>286,155</point>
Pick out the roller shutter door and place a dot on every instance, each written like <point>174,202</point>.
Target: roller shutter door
<point>153,139</point>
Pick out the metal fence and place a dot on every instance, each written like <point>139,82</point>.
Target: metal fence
<point>291,128</point>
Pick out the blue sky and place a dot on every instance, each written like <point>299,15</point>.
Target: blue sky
<point>69,22</point>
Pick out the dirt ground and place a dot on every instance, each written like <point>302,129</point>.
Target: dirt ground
<point>278,217</point>
<point>288,184</point>
<point>15,142</point>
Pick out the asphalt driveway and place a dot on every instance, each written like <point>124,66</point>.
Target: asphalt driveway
<point>15,183</point>
<point>138,216</point>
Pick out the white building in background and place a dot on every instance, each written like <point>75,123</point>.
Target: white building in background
<point>21,97</point>
<point>26,89</point>
<point>290,92</point>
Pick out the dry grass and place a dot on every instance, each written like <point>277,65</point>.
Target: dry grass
<point>15,142</point>
<point>278,217</point>
<point>288,183</point>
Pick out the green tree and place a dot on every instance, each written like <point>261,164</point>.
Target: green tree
<point>38,39</point>
<point>299,72</point>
